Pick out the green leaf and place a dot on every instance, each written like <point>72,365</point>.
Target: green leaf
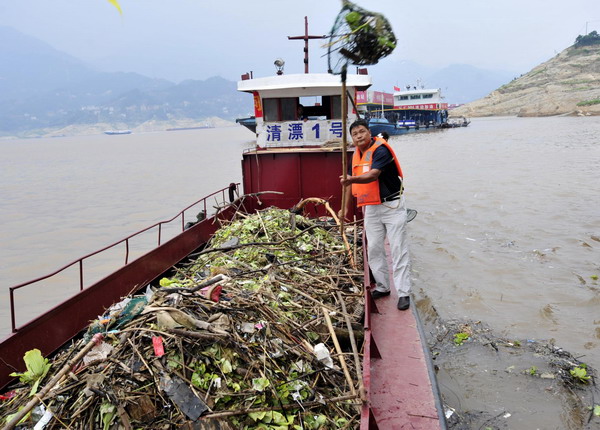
<point>312,335</point>
<point>280,419</point>
<point>459,338</point>
<point>226,366</point>
<point>341,422</point>
<point>259,384</point>
<point>9,418</point>
<point>236,387</point>
<point>257,416</point>
<point>580,373</point>
<point>165,282</point>
<point>597,410</point>
<point>37,368</point>
<point>107,414</point>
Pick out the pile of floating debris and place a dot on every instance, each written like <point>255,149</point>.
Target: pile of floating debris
<point>259,330</point>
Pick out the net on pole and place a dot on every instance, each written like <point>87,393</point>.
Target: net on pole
<point>358,37</point>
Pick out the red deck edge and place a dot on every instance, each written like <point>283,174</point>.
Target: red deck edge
<point>400,382</point>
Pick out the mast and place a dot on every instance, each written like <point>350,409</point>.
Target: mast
<point>306,38</point>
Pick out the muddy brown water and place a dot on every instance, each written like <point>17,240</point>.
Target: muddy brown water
<point>508,233</point>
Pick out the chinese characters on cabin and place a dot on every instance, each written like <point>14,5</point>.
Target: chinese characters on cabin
<point>302,132</point>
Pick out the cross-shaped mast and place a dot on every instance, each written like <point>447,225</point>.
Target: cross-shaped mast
<point>306,38</point>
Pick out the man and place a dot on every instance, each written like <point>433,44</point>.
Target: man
<point>376,182</point>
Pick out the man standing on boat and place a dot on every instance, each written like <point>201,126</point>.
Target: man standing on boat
<point>376,182</point>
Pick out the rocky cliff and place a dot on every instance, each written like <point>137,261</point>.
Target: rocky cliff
<point>568,84</point>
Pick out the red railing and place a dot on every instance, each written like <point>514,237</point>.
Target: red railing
<point>232,190</point>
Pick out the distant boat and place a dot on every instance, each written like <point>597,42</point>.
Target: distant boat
<point>413,109</point>
<point>111,132</point>
<point>207,125</point>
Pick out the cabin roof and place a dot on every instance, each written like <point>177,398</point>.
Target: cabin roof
<point>417,91</point>
<point>295,85</point>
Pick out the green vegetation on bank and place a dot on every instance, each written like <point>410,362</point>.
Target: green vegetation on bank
<point>589,102</point>
<point>593,38</point>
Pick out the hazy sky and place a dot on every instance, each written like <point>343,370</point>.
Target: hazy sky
<point>197,39</point>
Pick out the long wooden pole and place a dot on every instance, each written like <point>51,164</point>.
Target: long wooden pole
<point>344,146</point>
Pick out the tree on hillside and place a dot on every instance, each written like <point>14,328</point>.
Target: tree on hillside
<point>593,38</point>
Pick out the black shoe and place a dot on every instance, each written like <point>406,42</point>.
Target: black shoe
<point>403,303</point>
<point>379,294</point>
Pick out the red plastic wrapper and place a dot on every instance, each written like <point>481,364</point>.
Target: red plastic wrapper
<point>8,395</point>
<point>215,294</point>
<point>159,349</point>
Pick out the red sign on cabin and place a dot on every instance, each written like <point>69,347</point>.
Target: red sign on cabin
<point>383,98</point>
<point>430,106</point>
<point>258,112</point>
<point>361,97</point>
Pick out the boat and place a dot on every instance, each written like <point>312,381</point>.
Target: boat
<point>200,127</point>
<point>249,123</point>
<point>404,111</point>
<point>294,158</point>
<point>114,132</point>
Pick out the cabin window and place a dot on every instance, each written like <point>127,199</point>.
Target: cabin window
<point>288,109</point>
<point>283,109</point>
<point>403,97</point>
<point>322,107</point>
<point>313,108</point>
<point>271,109</point>
<point>336,107</point>
<point>427,96</point>
<point>415,96</point>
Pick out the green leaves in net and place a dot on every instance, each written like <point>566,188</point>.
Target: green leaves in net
<point>358,37</point>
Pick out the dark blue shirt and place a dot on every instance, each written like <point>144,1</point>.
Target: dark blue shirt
<point>389,181</point>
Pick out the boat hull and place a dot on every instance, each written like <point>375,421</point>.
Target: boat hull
<point>394,129</point>
<point>116,132</point>
<point>396,364</point>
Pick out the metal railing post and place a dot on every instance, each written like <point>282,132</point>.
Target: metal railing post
<point>81,274</point>
<point>12,310</point>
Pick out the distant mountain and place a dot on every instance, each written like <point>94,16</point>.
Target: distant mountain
<point>569,83</point>
<point>28,66</point>
<point>42,88</point>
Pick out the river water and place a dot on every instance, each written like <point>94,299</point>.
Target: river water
<point>508,230</point>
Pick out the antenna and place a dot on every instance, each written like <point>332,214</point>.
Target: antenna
<point>306,38</point>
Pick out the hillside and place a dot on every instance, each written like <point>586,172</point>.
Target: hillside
<point>568,84</point>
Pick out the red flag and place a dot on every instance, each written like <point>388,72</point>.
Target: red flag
<point>396,88</point>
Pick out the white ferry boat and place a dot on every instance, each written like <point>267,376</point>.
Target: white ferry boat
<point>411,109</point>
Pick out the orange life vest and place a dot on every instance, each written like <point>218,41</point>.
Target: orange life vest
<point>368,194</point>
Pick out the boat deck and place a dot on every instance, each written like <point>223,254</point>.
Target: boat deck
<point>403,398</point>
<point>401,394</point>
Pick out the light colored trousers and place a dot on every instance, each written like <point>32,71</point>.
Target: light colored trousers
<point>388,219</point>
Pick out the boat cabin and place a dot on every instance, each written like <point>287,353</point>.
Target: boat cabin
<point>299,131</point>
<point>423,99</point>
<point>301,109</point>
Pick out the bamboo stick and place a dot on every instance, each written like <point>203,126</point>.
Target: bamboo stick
<point>357,364</point>
<point>339,351</point>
